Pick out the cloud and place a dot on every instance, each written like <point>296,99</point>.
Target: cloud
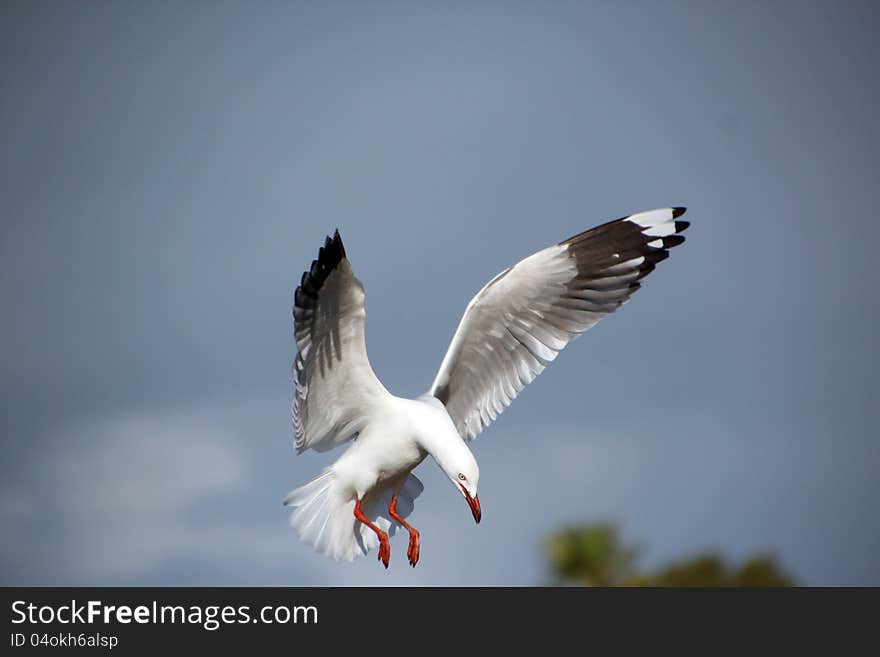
<point>192,496</point>
<point>124,491</point>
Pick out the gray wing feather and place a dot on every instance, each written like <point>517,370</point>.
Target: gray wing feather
<point>335,384</point>
<point>518,323</point>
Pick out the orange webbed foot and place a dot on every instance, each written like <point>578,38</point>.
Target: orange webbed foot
<point>412,552</point>
<point>384,550</point>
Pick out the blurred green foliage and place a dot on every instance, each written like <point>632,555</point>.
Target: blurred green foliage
<point>595,555</point>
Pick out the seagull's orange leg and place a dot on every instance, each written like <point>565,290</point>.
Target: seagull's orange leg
<point>412,552</point>
<point>384,548</point>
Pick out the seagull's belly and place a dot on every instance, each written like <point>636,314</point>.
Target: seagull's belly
<point>378,459</point>
<point>399,457</point>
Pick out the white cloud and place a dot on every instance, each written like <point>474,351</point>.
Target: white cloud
<point>143,464</point>
<point>125,486</point>
<point>126,493</point>
<point>130,497</point>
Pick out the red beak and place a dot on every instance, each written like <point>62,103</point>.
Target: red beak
<point>474,503</point>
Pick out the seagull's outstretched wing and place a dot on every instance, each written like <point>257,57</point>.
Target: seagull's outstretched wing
<point>334,381</point>
<point>524,316</point>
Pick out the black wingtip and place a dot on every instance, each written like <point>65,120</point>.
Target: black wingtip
<point>329,257</point>
<point>656,256</point>
<point>681,226</point>
<point>672,240</point>
<point>337,239</point>
<point>677,212</point>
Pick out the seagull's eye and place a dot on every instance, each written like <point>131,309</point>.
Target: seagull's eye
<point>462,477</point>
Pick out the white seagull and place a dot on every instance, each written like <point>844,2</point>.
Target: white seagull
<point>510,331</point>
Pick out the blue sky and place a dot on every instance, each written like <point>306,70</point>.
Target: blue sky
<point>169,169</point>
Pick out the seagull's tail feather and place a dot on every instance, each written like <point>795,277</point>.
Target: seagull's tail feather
<point>323,515</point>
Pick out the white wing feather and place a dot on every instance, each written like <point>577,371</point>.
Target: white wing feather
<point>335,385</point>
<point>526,315</point>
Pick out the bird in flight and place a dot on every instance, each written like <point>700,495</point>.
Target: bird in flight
<point>509,332</point>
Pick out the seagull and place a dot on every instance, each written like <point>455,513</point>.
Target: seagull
<point>514,326</point>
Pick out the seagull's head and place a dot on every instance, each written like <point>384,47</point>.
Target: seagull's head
<point>462,470</point>
<point>468,486</point>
